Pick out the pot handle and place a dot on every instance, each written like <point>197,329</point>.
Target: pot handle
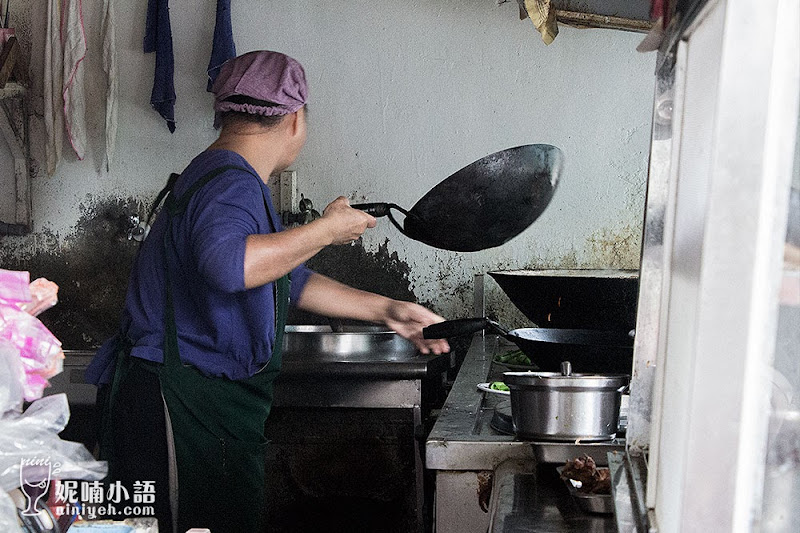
<point>383,209</point>
<point>376,209</point>
<point>455,328</point>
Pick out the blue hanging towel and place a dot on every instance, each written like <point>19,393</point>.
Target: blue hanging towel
<point>223,48</point>
<point>158,39</point>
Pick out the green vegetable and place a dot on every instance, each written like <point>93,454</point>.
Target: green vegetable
<point>499,385</point>
<point>516,357</point>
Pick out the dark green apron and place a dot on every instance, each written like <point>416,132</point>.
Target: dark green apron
<point>217,423</point>
<point>218,433</point>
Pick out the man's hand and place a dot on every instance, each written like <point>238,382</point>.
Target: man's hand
<point>269,256</point>
<point>408,319</point>
<point>344,223</point>
<point>324,296</point>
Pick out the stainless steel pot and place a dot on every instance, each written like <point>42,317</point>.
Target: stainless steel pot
<point>565,406</point>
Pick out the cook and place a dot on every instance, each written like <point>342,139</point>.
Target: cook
<point>187,384</point>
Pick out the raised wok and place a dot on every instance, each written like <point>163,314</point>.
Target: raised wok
<point>483,205</point>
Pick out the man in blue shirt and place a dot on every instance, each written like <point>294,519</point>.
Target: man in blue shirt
<point>190,376</point>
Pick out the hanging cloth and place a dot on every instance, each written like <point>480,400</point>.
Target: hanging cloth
<point>73,39</point>
<point>543,15</point>
<point>53,76</point>
<point>112,76</point>
<point>223,47</point>
<point>158,39</point>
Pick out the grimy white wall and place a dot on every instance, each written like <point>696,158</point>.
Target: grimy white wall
<point>402,95</point>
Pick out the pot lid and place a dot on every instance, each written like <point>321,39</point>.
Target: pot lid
<point>565,378</point>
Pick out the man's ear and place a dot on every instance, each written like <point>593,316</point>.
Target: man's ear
<point>297,125</point>
<point>295,121</point>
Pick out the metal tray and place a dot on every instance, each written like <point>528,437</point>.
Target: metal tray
<point>561,452</point>
<point>354,343</point>
<point>589,503</point>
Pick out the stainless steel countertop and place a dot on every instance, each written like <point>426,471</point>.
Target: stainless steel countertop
<point>376,366</point>
<point>462,438</point>
<point>382,379</point>
<point>379,366</point>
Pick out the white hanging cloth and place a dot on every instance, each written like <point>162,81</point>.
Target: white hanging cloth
<point>73,39</point>
<point>53,86</point>
<point>112,90</point>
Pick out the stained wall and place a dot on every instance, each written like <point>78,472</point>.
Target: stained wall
<point>403,94</point>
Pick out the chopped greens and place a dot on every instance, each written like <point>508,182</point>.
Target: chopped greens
<point>516,357</point>
<point>499,385</point>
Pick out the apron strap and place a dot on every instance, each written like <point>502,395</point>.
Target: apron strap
<point>176,207</point>
<point>161,195</point>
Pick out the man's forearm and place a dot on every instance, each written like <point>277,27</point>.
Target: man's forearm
<point>328,297</point>
<point>268,257</point>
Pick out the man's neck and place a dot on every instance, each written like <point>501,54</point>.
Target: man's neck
<point>262,150</point>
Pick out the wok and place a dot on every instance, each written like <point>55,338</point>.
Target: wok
<point>483,205</point>
<point>583,299</point>
<point>594,351</point>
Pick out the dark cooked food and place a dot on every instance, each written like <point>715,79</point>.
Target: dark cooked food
<point>593,480</point>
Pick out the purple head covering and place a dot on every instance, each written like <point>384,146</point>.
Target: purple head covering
<point>263,75</point>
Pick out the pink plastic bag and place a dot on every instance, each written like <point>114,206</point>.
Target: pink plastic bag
<point>39,350</point>
<point>15,286</point>
<point>44,295</point>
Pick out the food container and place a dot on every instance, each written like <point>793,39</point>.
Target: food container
<point>587,501</point>
<point>564,406</point>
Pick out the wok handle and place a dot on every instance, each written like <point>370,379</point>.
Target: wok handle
<point>378,209</point>
<point>455,328</point>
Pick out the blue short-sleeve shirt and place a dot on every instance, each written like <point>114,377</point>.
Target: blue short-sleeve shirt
<point>223,328</point>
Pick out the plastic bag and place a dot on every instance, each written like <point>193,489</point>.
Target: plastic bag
<point>40,351</point>
<point>44,295</point>
<point>32,297</point>
<point>12,379</point>
<point>31,449</point>
<point>8,514</point>
<point>33,436</point>
<point>15,286</point>
<point>31,452</point>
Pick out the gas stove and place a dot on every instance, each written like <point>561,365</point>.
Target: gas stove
<point>463,437</point>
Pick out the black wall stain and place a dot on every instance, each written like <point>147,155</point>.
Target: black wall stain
<point>379,272</point>
<point>91,268</point>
